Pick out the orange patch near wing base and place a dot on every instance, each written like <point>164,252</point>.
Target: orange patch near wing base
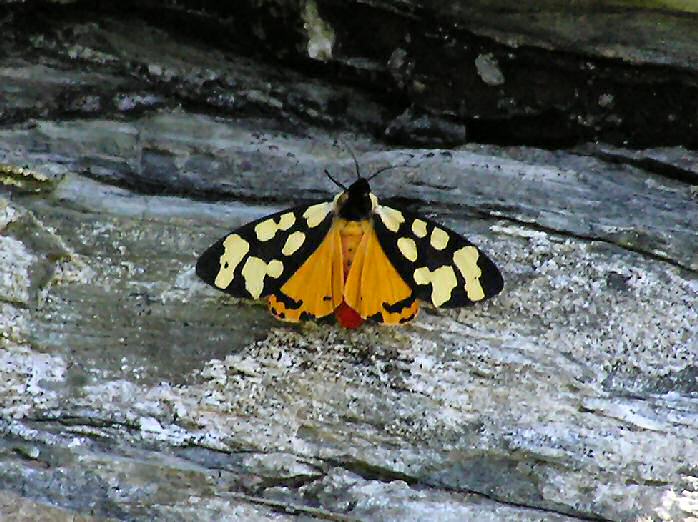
<point>351,233</point>
<point>315,289</point>
<point>374,288</point>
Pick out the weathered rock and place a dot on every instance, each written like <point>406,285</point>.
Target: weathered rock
<point>505,71</point>
<point>24,180</point>
<point>130,390</point>
<point>671,162</point>
<point>14,508</point>
<point>175,153</point>
<point>574,383</point>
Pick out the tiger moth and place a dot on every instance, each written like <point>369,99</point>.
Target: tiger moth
<point>352,257</point>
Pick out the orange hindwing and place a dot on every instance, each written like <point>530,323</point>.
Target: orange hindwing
<point>315,289</point>
<point>374,288</point>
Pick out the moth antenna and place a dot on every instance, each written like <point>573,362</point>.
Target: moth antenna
<point>353,156</point>
<point>334,180</point>
<point>390,167</point>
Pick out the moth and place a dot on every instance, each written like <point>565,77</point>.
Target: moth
<point>352,257</point>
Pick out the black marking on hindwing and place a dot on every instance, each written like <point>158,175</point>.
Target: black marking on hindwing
<point>288,302</point>
<point>399,306</point>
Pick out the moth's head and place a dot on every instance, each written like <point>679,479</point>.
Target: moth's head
<point>355,202</point>
<point>359,188</point>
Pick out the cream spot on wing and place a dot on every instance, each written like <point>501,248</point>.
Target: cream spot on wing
<point>422,276</point>
<point>293,243</point>
<point>265,230</point>
<point>316,213</point>
<point>286,221</point>
<point>419,228</point>
<point>408,248</point>
<point>268,228</point>
<point>374,201</point>
<point>275,268</point>
<point>255,270</point>
<point>443,281</point>
<point>439,239</point>
<point>465,260</point>
<point>391,218</point>
<point>234,250</point>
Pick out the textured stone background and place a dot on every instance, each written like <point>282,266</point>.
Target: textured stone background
<point>559,137</point>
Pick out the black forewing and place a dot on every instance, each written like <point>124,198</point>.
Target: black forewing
<point>208,265</point>
<point>490,279</point>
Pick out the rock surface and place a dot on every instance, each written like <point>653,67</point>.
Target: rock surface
<point>506,72</point>
<point>129,390</point>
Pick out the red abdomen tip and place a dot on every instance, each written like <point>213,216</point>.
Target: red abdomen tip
<point>347,316</point>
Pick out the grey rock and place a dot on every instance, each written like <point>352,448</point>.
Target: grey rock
<point>174,153</point>
<point>14,508</point>
<point>544,404</point>
<point>509,73</point>
<point>488,69</point>
<point>130,390</point>
<point>424,129</point>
